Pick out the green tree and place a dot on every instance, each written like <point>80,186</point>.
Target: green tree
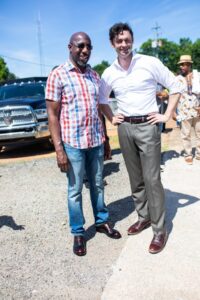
<point>196,54</point>
<point>146,48</point>
<point>185,45</point>
<point>101,67</point>
<point>4,71</point>
<point>168,52</point>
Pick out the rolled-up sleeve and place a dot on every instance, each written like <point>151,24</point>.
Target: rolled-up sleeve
<point>167,79</point>
<point>104,90</point>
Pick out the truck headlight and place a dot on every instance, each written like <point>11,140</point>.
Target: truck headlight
<point>41,113</point>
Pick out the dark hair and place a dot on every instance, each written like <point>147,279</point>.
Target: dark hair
<point>117,28</point>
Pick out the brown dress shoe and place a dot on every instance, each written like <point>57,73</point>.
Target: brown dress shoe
<point>189,160</point>
<point>138,227</point>
<point>158,243</point>
<point>109,231</point>
<point>79,247</point>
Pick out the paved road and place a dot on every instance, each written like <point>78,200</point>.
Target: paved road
<point>174,274</point>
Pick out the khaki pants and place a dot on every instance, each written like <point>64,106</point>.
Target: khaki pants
<point>186,131</point>
<point>140,146</point>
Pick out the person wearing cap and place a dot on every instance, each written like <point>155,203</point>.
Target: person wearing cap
<point>134,78</point>
<point>188,109</point>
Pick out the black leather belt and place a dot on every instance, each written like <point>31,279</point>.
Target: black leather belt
<point>136,119</point>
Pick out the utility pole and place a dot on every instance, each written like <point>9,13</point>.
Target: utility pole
<point>156,43</point>
<point>39,34</point>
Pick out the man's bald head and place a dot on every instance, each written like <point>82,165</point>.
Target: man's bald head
<point>80,49</point>
<point>79,35</point>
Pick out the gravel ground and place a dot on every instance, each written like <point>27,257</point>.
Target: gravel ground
<point>36,245</point>
<point>36,255</point>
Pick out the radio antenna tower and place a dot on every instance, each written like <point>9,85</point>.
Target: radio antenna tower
<point>39,34</point>
<point>157,43</point>
<point>156,29</point>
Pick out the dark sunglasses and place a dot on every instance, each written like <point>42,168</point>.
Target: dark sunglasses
<point>82,46</point>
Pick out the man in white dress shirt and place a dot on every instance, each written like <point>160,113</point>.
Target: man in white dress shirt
<point>134,78</point>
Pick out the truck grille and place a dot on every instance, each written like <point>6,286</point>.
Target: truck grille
<point>14,116</point>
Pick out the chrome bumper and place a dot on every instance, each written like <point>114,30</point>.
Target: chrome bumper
<point>38,131</point>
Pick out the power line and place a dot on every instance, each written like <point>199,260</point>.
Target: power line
<point>25,61</point>
<point>39,32</point>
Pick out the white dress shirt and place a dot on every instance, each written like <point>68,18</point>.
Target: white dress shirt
<point>135,88</point>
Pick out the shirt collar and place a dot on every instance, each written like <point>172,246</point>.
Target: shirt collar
<point>69,67</point>
<point>134,58</point>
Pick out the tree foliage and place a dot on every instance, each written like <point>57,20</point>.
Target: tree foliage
<point>4,72</point>
<point>101,67</point>
<point>196,55</point>
<point>170,52</point>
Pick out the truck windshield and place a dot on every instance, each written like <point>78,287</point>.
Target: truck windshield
<point>36,90</point>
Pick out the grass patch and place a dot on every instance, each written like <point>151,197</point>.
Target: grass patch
<point>114,142</point>
<point>164,148</point>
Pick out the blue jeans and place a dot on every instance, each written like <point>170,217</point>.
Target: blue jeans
<point>90,161</point>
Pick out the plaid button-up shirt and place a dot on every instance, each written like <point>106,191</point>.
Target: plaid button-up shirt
<point>78,92</point>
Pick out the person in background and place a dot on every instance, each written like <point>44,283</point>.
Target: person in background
<point>188,109</point>
<point>72,98</point>
<point>161,98</point>
<point>134,78</point>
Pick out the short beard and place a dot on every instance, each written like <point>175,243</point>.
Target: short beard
<point>81,64</point>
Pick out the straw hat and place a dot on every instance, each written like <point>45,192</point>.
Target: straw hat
<point>185,59</point>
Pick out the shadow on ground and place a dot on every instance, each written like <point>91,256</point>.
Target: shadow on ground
<point>10,222</point>
<point>174,202</point>
<point>116,151</point>
<point>168,155</point>
<point>118,211</point>
<point>110,167</point>
<point>122,208</point>
<point>27,150</point>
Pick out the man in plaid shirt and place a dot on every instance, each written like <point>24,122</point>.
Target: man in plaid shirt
<point>72,97</point>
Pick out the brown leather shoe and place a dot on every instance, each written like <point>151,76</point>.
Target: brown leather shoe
<point>158,243</point>
<point>189,160</point>
<point>138,227</point>
<point>109,231</point>
<point>79,247</point>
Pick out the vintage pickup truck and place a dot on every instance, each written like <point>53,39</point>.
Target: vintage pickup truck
<point>23,115</point>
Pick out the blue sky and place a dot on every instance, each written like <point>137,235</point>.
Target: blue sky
<point>60,18</point>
